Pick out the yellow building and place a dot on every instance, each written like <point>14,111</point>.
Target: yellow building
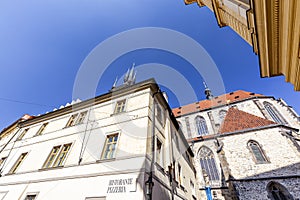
<point>271,27</point>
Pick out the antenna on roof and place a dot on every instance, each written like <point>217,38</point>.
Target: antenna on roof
<point>207,91</point>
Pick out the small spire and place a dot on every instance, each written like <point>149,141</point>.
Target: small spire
<point>115,83</point>
<point>130,76</point>
<point>207,91</point>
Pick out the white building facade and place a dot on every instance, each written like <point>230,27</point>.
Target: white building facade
<point>124,144</point>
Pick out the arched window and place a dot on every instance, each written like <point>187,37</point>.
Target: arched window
<point>257,152</point>
<point>201,125</point>
<point>277,191</point>
<point>273,113</point>
<point>222,115</point>
<point>208,164</point>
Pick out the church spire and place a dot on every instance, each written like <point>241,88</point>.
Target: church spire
<point>207,91</point>
<point>130,76</point>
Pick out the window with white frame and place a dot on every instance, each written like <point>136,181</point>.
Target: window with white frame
<point>18,163</point>
<point>159,153</point>
<point>160,115</point>
<point>57,156</point>
<point>110,146</point>
<point>179,174</point>
<point>120,106</point>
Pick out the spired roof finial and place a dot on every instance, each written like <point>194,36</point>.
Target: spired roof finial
<point>115,83</point>
<point>130,76</point>
<point>207,91</point>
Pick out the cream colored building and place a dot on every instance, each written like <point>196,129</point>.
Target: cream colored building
<point>271,27</point>
<point>246,146</point>
<point>111,147</point>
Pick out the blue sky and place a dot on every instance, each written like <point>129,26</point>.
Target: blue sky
<point>43,44</point>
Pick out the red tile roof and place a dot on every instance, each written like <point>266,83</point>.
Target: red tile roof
<point>216,101</point>
<point>236,120</point>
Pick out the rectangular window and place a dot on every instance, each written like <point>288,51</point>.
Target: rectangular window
<point>18,163</point>
<point>188,127</point>
<point>192,187</point>
<point>120,106</point>
<point>62,155</point>
<point>81,117</point>
<point>57,156</point>
<point>41,130</point>
<point>71,121</point>
<point>30,197</point>
<point>160,114</point>
<point>23,134</point>
<point>76,119</point>
<point>110,146</point>
<point>2,160</point>
<point>159,153</point>
<point>179,174</point>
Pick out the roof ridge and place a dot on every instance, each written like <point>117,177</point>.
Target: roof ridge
<point>220,100</point>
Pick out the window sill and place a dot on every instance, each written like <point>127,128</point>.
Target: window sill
<point>106,160</point>
<point>116,114</point>
<point>51,168</point>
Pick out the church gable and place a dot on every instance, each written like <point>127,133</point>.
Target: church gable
<point>237,120</point>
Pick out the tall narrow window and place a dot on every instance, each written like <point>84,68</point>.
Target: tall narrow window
<point>273,113</point>
<point>208,164</point>
<point>201,126</point>
<point>41,130</point>
<point>120,106</point>
<point>160,114</point>
<point>188,127</point>
<point>179,174</point>
<point>30,197</point>
<point>159,153</point>
<point>62,155</point>
<point>18,163</point>
<point>81,117</point>
<point>23,134</point>
<point>110,146</point>
<point>71,121</point>
<point>257,152</point>
<point>57,156</point>
<point>222,115</point>
<point>2,160</point>
<point>51,157</point>
<point>278,192</point>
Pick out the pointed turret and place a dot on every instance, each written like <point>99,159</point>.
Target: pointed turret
<point>130,76</point>
<point>207,91</point>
